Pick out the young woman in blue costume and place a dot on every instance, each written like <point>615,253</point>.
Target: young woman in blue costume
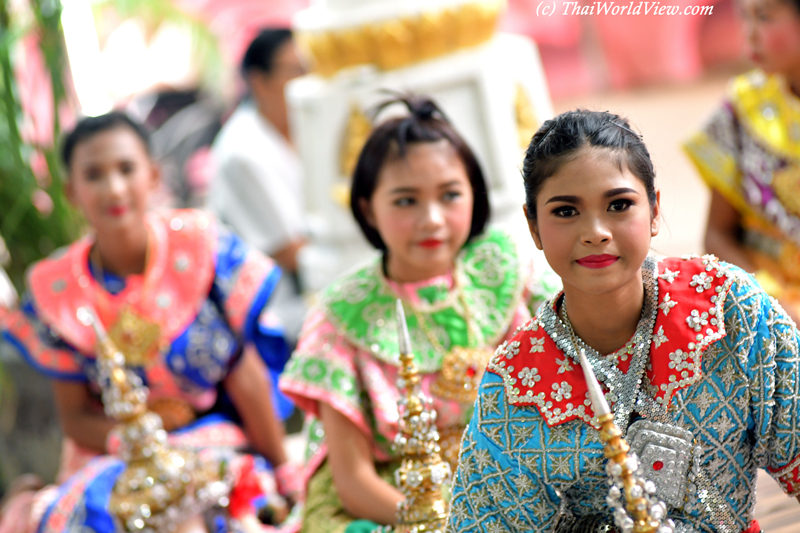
<point>698,363</point>
<point>419,196</point>
<point>181,297</point>
<point>749,155</point>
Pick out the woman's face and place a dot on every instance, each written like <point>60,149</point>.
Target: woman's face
<point>594,224</point>
<point>772,28</point>
<point>111,179</point>
<point>422,209</point>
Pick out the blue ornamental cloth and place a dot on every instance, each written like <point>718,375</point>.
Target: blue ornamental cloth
<point>523,468</point>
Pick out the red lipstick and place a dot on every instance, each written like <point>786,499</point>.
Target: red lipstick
<point>430,243</point>
<point>117,210</point>
<point>597,261</point>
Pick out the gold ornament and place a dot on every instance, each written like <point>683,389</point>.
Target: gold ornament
<point>462,370</point>
<point>462,367</point>
<point>395,43</point>
<point>355,135</point>
<point>527,123</point>
<point>136,337</point>
<point>161,486</point>
<point>422,473</point>
<point>642,509</point>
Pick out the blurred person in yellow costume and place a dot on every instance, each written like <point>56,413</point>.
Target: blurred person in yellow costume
<point>749,154</point>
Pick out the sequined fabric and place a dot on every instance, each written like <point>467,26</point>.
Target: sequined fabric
<point>522,470</point>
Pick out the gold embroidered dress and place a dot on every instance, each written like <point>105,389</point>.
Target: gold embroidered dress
<point>750,152</point>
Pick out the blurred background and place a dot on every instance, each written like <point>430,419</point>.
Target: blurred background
<point>173,64</point>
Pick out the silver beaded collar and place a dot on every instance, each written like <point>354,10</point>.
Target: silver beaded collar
<point>624,390</point>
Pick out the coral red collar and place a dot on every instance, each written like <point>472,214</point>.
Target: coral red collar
<point>691,294</point>
<point>176,281</point>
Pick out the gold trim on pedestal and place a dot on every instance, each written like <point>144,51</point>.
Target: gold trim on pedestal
<point>396,43</point>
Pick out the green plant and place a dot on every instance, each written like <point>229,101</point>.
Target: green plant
<point>32,232</point>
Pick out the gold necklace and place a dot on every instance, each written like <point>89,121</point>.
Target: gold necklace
<point>135,336</point>
<point>462,366</point>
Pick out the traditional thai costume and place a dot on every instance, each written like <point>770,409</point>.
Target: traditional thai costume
<point>348,357</point>
<point>707,391</point>
<point>750,152</point>
<point>182,326</point>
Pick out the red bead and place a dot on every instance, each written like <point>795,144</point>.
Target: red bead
<point>471,372</point>
<point>658,465</point>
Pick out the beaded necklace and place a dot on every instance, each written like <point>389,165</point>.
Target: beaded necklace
<point>623,388</point>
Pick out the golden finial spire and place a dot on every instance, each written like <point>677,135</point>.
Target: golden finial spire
<point>642,511</point>
<point>422,472</point>
<point>161,486</point>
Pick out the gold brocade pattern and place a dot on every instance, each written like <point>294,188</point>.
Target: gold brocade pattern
<point>395,43</point>
<point>786,184</point>
<point>768,111</point>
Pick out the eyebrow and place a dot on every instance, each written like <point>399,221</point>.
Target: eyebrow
<point>608,194</point>
<point>406,190</point>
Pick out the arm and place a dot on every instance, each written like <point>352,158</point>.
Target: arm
<point>363,493</point>
<point>250,391</point>
<point>286,256</point>
<point>79,421</point>
<point>721,232</point>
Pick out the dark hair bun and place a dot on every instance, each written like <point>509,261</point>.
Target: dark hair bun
<point>420,107</point>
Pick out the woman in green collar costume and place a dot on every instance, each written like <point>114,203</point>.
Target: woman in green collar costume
<point>419,196</point>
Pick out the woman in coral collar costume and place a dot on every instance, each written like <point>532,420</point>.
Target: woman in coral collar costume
<point>181,297</point>
<point>697,362</point>
<point>749,154</point>
<point>419,196</point>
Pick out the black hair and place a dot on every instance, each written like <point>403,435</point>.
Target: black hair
<point>260,55</point>
<point>558,141</point>
<point>425,123</point>
<point>91,126</point>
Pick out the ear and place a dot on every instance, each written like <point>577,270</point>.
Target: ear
<point>155,175</point>
<point>366,210</point>
<point>655,220</point>
<point>532,227</point>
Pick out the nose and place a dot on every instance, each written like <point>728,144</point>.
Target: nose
<point>595,231</point>
<point>115,184</point>
<point>433,216</point>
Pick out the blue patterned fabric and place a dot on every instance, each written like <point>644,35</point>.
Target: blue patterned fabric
<point>517,474</point>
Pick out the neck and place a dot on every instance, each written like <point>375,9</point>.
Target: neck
<point>793,83</point>
<point>607,321</point>
<point>123,252</point>
<point>402,273</point>
<point>276,118</point>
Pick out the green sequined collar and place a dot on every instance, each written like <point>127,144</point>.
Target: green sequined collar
<point>362,305</point>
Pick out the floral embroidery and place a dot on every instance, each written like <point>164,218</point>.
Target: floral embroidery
<point>697,320</point>
<point>529,376</point>
<point>563,365</point>
<point>537,345</point>
<point>701,282</point>
<point>512,349</point>
<point>561,391</point>
<point>659,338</point>
<point>669,276</point>
<point>667,304</point>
